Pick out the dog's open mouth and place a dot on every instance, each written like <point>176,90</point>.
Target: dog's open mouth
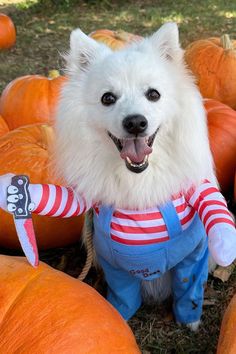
<point>135,151</point>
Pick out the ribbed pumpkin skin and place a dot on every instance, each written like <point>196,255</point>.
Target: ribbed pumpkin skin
<point>3,127</point>
<point>30,99</point>
<point>7,32</point>
<point>214,68</point>
<point>114,39</point>
<point>46,311</point>
<point>227,339</point>
<point>26,151</point>
<point>222,135</point>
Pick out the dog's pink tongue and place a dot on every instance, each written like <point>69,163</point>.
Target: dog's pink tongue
<point>135,149</point>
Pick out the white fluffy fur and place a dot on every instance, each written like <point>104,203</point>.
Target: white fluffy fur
<point>87,157</point>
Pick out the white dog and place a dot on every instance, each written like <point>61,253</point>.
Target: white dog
<point>131,133</point>
<point>132,142</point>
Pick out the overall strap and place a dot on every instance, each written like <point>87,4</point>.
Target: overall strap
<point>104,218</point>
<point>171,219</point>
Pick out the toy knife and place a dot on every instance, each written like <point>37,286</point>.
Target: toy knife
<point>19,204</point>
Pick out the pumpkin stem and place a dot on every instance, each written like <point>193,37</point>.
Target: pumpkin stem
<point>122,35</point>
<point>53,74</point>
<point>226,42</point>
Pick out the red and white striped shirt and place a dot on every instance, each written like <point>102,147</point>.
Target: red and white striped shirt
<point>139,227</point>
<point>147,226</point>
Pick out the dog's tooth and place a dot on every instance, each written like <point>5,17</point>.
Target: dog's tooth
<point>140,165</point>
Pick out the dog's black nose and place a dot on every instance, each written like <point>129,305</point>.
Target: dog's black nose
<point>135,124</point>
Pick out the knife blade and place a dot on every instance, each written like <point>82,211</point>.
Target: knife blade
<point>20,205</point>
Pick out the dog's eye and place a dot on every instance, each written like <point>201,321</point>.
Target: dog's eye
<point>108,98</point>
<point>152,95</point>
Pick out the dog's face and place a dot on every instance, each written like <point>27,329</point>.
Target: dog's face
<point>129,95</point>
<point>131,127</point>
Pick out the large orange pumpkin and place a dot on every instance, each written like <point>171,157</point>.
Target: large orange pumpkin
<point>114,39</point>
<point>46,311</point>
<point>213,62</point>
<point>26,151</point>
<point>30,99</point>
<point>222,135</point>
<point>227,339</point>
<point>7,32</point>
<point>3,127</point>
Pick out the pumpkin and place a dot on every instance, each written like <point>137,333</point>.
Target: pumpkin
<point>222,135</point>
<point>3,127</point>
<point>114,39</point>
<point>227,338</point>
<point>46,311</point>
<point>235,187</point>
<point>30,99</point>
<point>213,62</point>
<point>26,151</point>
<point>7,32</point>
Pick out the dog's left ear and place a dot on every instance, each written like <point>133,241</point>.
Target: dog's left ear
<point>166,41</point>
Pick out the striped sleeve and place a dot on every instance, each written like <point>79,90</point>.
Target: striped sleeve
<point>211,206</point>
<point>52,200</point>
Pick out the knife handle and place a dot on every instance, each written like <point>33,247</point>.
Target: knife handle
<point>18,197</point>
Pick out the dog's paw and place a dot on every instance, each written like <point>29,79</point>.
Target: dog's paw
<point>194,325</point>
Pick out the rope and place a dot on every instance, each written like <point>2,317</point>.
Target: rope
<point>87,235</point>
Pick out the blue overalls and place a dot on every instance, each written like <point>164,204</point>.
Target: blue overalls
<point>185,254</point>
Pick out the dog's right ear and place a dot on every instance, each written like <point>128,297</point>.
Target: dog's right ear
<point>83,51</point>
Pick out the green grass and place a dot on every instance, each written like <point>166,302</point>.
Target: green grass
<point>43,30</point>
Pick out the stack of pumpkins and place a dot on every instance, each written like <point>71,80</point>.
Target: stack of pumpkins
<point>213,62</point>
<point>27,108</point>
